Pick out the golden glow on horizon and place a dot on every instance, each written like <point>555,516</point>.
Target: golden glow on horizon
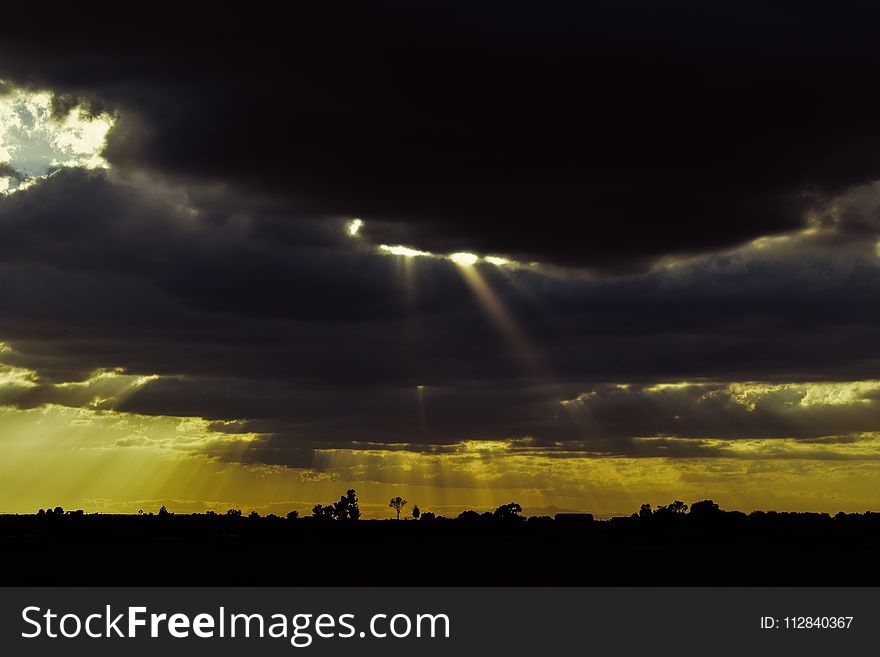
<point>120,463</point>
<point>71,448</point>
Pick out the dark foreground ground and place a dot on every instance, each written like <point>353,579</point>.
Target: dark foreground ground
<point>728,549</point>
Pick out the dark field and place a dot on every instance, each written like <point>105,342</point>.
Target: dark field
<point>721,549</point>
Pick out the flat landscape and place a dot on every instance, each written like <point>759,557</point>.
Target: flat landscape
<point>722,548</point>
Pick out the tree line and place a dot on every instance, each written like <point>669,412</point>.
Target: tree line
<point>347,509</point>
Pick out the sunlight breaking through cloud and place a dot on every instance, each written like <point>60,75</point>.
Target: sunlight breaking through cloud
<point>35,141</point>
<point>462,258</point>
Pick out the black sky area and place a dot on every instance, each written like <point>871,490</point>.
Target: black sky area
<point>627,131</point>
<point>602,140</point>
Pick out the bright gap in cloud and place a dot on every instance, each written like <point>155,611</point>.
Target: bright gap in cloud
<point>464,259</point>
<point>34,143</point>
<point>461,258</point>
<point>405,251</point>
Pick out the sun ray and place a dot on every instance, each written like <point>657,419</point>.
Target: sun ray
<point>516,338</point>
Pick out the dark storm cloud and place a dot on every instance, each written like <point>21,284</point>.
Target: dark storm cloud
<point>143,262</point>
<point>688,420</point>
<point>856,213</point>
<point>99,392</point>
<point>599,134</point>
<point>7,171</point>
<point>728,411</point>
<point>86,285</point>
<point>263,337</point>
<point>131,276</point>
<point>214,253</point>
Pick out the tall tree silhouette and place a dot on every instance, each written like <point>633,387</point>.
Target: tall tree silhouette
<point>397,503</point>
<point>347,507</point>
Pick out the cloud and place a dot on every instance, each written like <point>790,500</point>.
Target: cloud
<point>35,140</point>
<point>727,411</point>
<point>311,339</point>
<point>681,206</point>
<point>597,136</point>
<point>684,233</point>
<point>21,388</point>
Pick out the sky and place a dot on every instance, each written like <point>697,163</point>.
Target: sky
<point>577,257</point>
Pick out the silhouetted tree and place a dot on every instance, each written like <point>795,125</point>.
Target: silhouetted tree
<point>254,515</point>
<point>322,512</point>
<point>58,511</point>
<point>427,515</point>
<point>416,512</point>
<point>509,511</point>
<point>704,509</point>
<point>645,511</point>
<point>354,510</point>
<point>234,513</point>
<point>347,507</point>
<point>397,503</point>
<point>677,508</point>
<point>468,516</point>
<point>163,512</point>
<point>41,514</point>
<point>293,515</point>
